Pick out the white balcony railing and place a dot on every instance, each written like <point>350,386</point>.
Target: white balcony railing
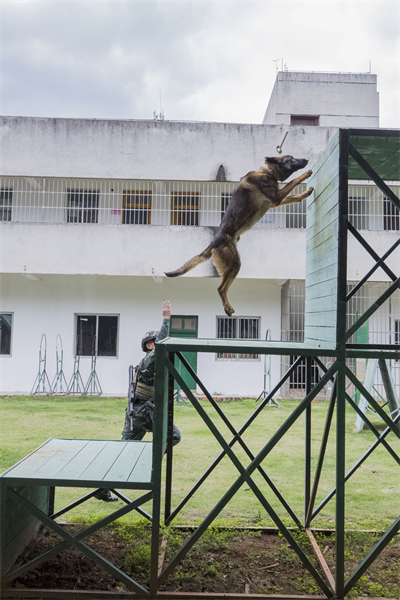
<point>139,202</point>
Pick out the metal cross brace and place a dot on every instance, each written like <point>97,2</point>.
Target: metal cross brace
<point>245,476</point>
<point>172,515</point>
<point>75,540</point>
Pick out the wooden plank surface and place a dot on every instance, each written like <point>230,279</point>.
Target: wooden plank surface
<point>36,459</point>
<point>322,250</point>
<point>61,459</point>
<point>82,462</point>
<point>140,472</point>
<point>122,468</point>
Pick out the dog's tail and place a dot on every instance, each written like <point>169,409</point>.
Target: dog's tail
<point>192,263</point>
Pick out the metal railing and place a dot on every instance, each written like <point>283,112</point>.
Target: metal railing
<point>152,202</point>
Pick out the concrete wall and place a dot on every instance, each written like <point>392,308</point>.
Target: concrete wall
<point>141,250</point>
<point>146,149</point>
<point>146,250</point>
<point>339,99</point>
<point>49,306</point>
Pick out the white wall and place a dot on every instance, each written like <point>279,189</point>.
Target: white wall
<point>119,250</point>
<point>49,305</point>
<point>339,99</point>
<point>141,250</point>
<point>146,149</point>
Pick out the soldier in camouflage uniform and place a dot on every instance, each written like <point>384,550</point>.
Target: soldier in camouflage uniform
<point>142,421</point>
<point>136,427</point>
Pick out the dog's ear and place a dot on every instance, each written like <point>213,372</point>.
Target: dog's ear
<point>272,160</point>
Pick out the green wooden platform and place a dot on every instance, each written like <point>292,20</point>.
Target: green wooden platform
<point>24,490</point>
<point>85,463</point>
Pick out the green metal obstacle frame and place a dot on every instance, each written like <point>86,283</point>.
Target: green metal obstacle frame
<point>352,154</point>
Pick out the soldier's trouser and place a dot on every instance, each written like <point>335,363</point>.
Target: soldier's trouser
<point>141,425</point>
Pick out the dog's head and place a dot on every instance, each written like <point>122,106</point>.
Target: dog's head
<point>284,166</point>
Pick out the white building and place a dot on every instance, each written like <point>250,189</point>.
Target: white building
<point>93,212</point>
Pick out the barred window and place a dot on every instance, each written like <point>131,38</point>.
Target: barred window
<point>391,216</point>
<point>82,206</point>
<point>137,208</point>
<point>238,328</point>
<point>225,199</point>
<point>185,208</point>
<point>5,204</point>
<point>359,213</point>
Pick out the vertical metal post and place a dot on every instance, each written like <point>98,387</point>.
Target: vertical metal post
<point>307,466</point>
<point>52,499</point>
<point>340,478</point>
<point>160,400</point>
<point>341,347</point>
<point>168,476</point>
<point>3,496</point>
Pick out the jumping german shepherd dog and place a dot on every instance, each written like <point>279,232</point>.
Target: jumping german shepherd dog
<point>257,192</point>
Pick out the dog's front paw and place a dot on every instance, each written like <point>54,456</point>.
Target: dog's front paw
<point>309,191</point>
<point>308,174</point>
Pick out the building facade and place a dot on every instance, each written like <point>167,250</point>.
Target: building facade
<point>93,212</point>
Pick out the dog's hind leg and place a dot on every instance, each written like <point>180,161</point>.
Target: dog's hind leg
<point>227,262</point>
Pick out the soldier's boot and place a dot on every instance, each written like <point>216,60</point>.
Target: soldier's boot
<point>105,496</point>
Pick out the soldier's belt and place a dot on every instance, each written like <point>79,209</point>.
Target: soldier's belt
<point>144,391</point>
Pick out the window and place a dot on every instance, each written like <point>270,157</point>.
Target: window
<point>5,205</point>
<point>296,214</point>
<point>239,328</point>
<point>391,216</point>
<point>358,213</point>
<point>299,375</point>
<point>96,334</point>
<point>304,120</point>
<point>82,206</point>
<point>5,333</point>
<point>397,331</point>
<point>137,208</point>
<point>185,208</point>
<point>225,199</point>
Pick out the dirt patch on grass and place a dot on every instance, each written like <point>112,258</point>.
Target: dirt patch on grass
<point>222,561</point>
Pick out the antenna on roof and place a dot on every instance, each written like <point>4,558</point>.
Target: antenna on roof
<point>160,116</point>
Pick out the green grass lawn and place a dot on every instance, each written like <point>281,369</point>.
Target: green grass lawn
<point>372,494</point>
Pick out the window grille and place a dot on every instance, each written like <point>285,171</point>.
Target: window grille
<point>5,204</point>
<point>358,212</point>
<point>296,214</point>
<point>226,197</point>
<point>5,333</point>
<point>83,206</point>
<point>391,216</point>
<point>155,202</point>
<point>137,208</point>
<point>185,208</point>
<point>239,328</point>
<point>96,334</point>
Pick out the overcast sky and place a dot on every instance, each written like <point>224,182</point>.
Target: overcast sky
<point>209,60</point>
